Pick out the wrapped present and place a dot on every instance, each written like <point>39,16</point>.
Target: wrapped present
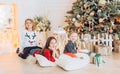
<point>103,50</point>
<point>92,60</point>
<point>116,45</point>
<point>85,45</point>
<point>88,46</point>
<point>97,59</point>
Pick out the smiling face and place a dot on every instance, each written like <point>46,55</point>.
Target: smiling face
<point>53,44</point>
<point>29,25</point>
<point>73,37</point>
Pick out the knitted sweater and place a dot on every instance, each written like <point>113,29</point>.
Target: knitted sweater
<point>48,54</point>
<point>70,47</point>
<point>28,39</point>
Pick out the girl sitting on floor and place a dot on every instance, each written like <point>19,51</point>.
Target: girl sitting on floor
<point>73,45</point>
<point>29,40</point>
<point>72,59</point>
<point>71,48</point>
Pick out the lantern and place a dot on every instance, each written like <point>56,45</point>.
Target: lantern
<point>61,37</point>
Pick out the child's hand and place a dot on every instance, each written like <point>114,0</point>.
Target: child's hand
<point>40,43</point>
<point>53,48</point>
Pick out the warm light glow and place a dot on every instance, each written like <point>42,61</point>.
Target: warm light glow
<point>9,38</point>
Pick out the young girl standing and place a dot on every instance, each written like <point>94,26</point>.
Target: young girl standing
<point>29,39</point>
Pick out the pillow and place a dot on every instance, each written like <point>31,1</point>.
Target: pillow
<point>44,61</point>
<point>69,63</point>
<point>71,55</point>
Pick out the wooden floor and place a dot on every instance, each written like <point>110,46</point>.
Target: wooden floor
<point>10,63</point>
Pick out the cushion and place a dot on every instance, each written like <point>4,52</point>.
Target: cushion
<point>44,61</point>
<point>30,59</point>
<point>71,55</point>
<point>69,63</point>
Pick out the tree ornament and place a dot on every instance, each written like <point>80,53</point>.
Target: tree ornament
<point>110,30</point>
<point>77,24</point>
<point>86,5</point>
<point>73,19</point>
<point>78,16</point>
<point>112,23</point>
<point>102,2</point>
<point>78,0</point>
<point>101,20</point>
<point>92,13</point>
<point>99,11</point>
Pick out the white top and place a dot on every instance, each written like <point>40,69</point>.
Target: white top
<point>28,39</point>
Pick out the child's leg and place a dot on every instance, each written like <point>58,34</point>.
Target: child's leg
<point>27,50</point>
<point>25,53</point>
<point>36,47</point>
<point>17,51</point>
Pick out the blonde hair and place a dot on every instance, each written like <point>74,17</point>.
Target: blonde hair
<point>33,28</point>
<point>78,39</point>
<point>69,34</point>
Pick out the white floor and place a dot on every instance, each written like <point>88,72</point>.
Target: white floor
<point>10,63</point>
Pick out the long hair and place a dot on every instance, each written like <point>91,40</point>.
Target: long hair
<point>48,43</point>
<point>33,28</point>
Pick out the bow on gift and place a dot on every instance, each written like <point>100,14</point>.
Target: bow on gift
<point>98,59</point>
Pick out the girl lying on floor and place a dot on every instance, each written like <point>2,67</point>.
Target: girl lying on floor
<point>49,54</point>
<point>69,60</point>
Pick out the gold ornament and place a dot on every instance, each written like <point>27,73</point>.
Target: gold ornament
<point>78,0</point>
<point>102,2</point>
<point>92,13</point>
<point>73,19</point>
<point>77,24</point>
<point>110,30</point>
<point>117,19</point>
<point>86,5</point>
<point>78,16</point>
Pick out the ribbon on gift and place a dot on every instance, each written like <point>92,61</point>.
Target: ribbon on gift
<point>97,56</point>
<point>97,59</point>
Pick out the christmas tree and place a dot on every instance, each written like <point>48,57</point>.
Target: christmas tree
<point>91,16</point>
<point>42,23</point>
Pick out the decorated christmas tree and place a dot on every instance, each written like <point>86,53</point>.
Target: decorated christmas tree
<point>91,16</point>
<point>42,23</point>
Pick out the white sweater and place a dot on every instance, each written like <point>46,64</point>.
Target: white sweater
<point>28,39</point>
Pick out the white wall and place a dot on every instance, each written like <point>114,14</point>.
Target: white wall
<point>54,9</point>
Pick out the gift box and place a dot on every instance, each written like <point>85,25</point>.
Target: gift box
<point>116,46</point>
<point>92,60</point>
<point>85,45</point>
<point>103,50</point>
<point>97,59</point>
